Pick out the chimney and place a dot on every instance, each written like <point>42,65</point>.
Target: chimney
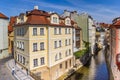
<point>36,7</point>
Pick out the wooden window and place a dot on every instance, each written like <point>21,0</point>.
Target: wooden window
<point>35,62</point>
<point>42,46</point>
<point>42,61</point>
<point>34,46</point>
<point>41,31</point>
<point>34,31</point>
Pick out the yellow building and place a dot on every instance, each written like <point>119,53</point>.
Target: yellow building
<point>43,43</point>
<point>11,35</point>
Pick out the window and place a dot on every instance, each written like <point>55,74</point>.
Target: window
<point>24,60</point>
<point>42,60</point>
<point>68,21</point>
<point>65,30</point>
<point>59,30</point>
<point>66,53</point>
<point>41,31</point>
<point>17,44</point>
<point>22,45</point>
<point>59,43</point>
<point>60,56</point>
<point>69,52</point>
<point>42,46</point>
<point>35,62</point>
<point>55,44</point>
<point>18,57</point>
<point>18,32</point>
<point>70,62</point>
<point>34,46</point>
<point>22,31</point>
<point>56,58</point>
<point>60,66</point>
<point>34,31</point>
<point>66,64</point>
<point>66,42</point>
<point>69,41</point>
<point>55,30</point>
<point>55,19</point>
<point>69,31</point>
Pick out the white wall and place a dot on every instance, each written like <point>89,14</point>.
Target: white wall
<point>92,31</point>
<point>4,38</point>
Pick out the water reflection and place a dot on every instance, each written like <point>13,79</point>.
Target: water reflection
<point>95,70</point>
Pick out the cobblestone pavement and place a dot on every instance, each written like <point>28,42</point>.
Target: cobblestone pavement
<point>5,74</point>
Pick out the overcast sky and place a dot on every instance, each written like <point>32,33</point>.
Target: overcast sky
<point>100,10</point>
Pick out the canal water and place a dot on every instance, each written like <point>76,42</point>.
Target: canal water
<point>96,69</point>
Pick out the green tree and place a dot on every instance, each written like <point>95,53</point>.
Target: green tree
<point>80,53</point>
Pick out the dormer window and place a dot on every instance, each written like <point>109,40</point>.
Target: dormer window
<point>22,19</point>
<point>67,21</point>
<point>55,20</point>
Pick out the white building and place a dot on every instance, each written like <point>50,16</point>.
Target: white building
<point>3,36</point>
<point>92,31</point>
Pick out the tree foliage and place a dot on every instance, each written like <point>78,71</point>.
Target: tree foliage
<point>80,53</point>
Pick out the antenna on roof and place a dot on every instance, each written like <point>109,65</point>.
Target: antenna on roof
<point>36,7</point>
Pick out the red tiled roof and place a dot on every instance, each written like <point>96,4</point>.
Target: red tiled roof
<point>117,23</point>
<point>36,19</point>
<point>11,23</point>
<point>3,16</point>
<point>38,12</point>
<point>104,25</point>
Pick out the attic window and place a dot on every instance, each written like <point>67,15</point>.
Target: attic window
<point>55,19</point>
<point>68,21</point>
<point>22,19</point>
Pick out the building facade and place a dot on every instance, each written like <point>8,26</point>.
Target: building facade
<point>11,36</point>
<point>87,25</point>
<point>78,32</point>
<point>43,43</point>
<point>115,48</point>
<point>3,36</point>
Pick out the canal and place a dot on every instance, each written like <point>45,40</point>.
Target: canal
<point>96,69</point>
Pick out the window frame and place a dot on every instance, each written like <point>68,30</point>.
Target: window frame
<point>35,62</point>
<point>42,46</point>
<point>34,47</point>
<point>34,31</point>
<point>42,31</point>
<point>42,60</point>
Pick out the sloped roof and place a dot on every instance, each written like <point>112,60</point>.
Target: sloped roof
<point>3,16</point>
<point>105,25</point>
<point>36,19</point>
<point>117,23</point>
<point>11,23</point>
<point>39,17</point>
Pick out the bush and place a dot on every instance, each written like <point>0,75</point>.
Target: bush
<point>80,53</point>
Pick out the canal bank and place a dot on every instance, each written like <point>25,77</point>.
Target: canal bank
<point>108,61</point>
<point>96,69</point>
